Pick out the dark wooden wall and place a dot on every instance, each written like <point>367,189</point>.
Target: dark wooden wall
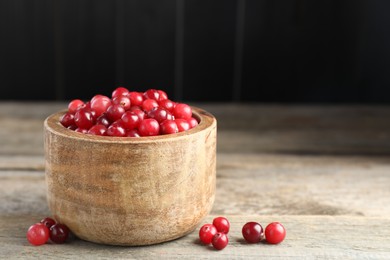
<point>197,50</point>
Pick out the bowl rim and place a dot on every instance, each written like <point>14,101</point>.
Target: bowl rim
<point>205,119</point>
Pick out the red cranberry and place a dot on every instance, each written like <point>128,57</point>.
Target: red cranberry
<point>74,105</point>
<point>132,133</point>
<point>221,224</point>
<point>124,101</point>
<point>103,120</point>
<point>84,118</point>
<point>149,104</point>
<point>139,113</point>
<point>160,114</point>
<point>152,94</point>
<point>206,233</point>
<point>67,119</point>
<point>115,112</point>
<point>252,232</point>
<point>130,120</point>
<point>100,103</point>
<point>220,241</point>
<point>182,125</point>
<point>193,122</point>
<point>136,98</point>
<point>116,129</point>
<point>59,233</point>
<point>120,91</point>
<point>167,104</point>
<point>38,234</point>
<point>48,222</point>
<point>182,111</point>
<point>149,127</point>
<point>98,130</point>
<point>162,95</point>
<point>168,127</point>
<point>275,233</point>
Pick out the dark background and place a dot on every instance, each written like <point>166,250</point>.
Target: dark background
<point>330,51</point>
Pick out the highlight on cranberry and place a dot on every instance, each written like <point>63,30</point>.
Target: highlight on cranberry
<point>129,114</point>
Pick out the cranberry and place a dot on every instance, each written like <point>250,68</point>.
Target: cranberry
<point>67,119</point>
<point>149,127</point>
<point>139,113</point>
<point>149,104</point>
<point>221,224</point>
<point>38,234</point>
<point>83,118</point>
<point>252,232</point>
<point>99,104</point>
<point>160,114</point>
<point>115,112</point>
<point>98,130</point>
<point>182,111</point>
<point>48,222</point>
<point>59,233</point>
<point>124,101</point>
<point>275,233</point>
<point>103,120</point>
<point>206,233</point>
<point>116,129</point>
<point>182,125</point>
<point>168,127</point>
<point>132,133</point>
<point>103,115</point>
<point>130,120</point>
<point>74,105</point>
<point>120,91</point>
<point>193,122</point>
<point>152,94</point>
<point>220,241</point>
<point>136,98</point>
<point>167,104</point>
<point>162,95</point>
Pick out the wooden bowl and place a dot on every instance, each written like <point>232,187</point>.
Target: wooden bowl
<point>131,191</point>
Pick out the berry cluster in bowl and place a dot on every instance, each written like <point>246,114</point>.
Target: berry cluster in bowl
<point>129,114</point>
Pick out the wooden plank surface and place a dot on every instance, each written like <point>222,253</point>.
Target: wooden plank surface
<point>324,172</point>
<point>308,237</point>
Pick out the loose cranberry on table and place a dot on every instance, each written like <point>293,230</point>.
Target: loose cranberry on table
<point>128,114</point>
<point>59,233</point>
<point>216,233</point>
<point>222,224</point>
<point>220,241</point>
<point>252,232</point>
<point>206,233</point>
<point>38,234</point>
<point>48,222</point>
<point>275,233</point>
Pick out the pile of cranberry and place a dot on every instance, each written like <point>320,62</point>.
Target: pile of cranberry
<point>216,233</point>
<point>39,233</point>
<point>129,114</point>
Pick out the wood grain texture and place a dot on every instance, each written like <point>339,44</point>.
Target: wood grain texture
<point>308,237</point>
<point>114,190</point>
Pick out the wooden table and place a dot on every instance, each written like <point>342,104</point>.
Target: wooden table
<point>323,171</point>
